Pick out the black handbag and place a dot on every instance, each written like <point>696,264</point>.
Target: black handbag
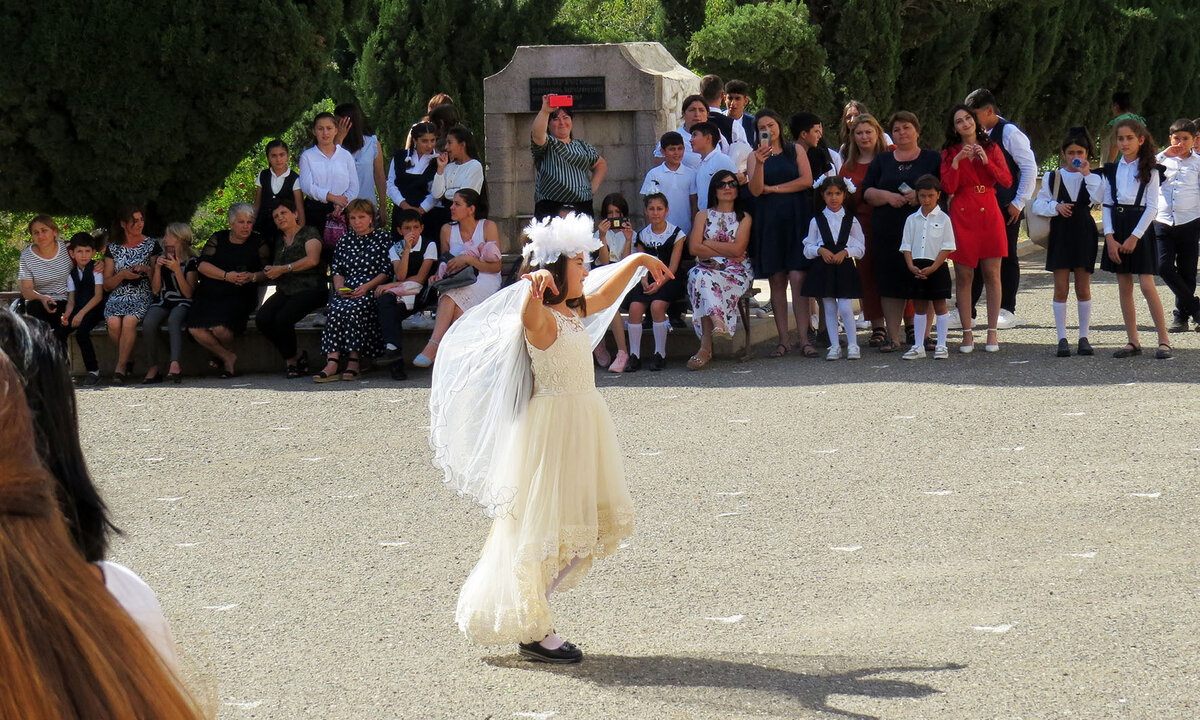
<point>467,276</point>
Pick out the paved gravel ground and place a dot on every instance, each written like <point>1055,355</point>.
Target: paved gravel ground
<point>996,536</point>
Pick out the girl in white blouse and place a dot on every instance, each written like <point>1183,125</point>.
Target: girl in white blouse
<point>1066,197</point>
<point>327,174</point>
<point>368,156</point>
<point>1130,193</point>
<point>457,169</point>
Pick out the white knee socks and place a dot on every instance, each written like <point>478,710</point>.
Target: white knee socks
<point>1060,319</point>
<point>831,323</point>
<point>846,310</point>
<point>660,337</point>
<point>920,322</point>
<point>943,322</point>
<point>1085,317</point>
<point>635,338</point>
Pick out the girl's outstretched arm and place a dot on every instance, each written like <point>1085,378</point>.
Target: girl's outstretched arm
<point>540,327</point>
<point>611,291</point>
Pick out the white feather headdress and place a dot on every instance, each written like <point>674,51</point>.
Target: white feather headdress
<point>556,237</point>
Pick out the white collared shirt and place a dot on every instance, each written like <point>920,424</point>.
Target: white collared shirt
<point>321,176</point>
<point>677,186</point>
<point>1046,202</point>
<point>1017,144</point>
<point>856,244</point>
<point>276,180</point>
<point>1179,196</point>
<point>926,236</point>
<point>418,168</point>
<point>710,164</point>
<point>1127,189</point>
<point>456,177</point>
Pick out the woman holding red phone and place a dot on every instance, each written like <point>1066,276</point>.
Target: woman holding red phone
<point>569,170</point>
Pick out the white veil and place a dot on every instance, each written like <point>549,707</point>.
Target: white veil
<point>482,382</point>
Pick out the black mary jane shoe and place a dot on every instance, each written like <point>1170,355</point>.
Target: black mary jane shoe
<point>1163,352</point>
<point>634,364</point>
<point>1128,351</point>
<point>1064,348</point>
<point>152,380</point>
<point>658,362</point>
<point>565,654</point>
<point>176,378</point>
<point>1084,348</point>
<point>119,378</point>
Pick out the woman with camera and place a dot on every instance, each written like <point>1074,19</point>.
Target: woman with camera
<point>563,163</point>
<point>127,263</point>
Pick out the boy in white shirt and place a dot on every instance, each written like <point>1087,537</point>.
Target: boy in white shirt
<point>674,180</point>
<point>927,242</point>
<point>704,143</point>
<point>1177,225</point>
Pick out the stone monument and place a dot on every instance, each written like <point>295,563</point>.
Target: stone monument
<point>626,96</point>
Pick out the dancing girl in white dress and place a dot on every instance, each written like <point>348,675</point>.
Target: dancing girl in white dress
<point>518,425</point>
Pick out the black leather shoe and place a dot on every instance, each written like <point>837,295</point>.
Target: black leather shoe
<point>658,362</point>
<point>564,655</point>
<point>1064,348</point>
<point>1085,347</point>
<point>634,364</point>
<point>397,370</point>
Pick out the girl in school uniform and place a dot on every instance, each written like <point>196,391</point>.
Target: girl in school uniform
<point>274,182</point>
<point>835,237</point>
<point>1130,195</point>
<point>410,178</point>
<point>616,235</point>
<point>1066,197</point>
<point>665,241</point>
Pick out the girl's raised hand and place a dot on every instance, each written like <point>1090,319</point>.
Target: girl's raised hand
<point>605,225</point>
<point>539,281</point>
<point>442,160</point>
<point>658,269</point>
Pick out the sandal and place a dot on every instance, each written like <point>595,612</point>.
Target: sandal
<point>780,351</point>
<point>302,363</point>
<point>699,360</point>
<point>350,375</point>
<point>878,336</point>
<point>808,350</point>
<point>889,346</point>
<point>293,372</point>
<point>1128,351</point>
<point>321,377</point>
<point>1163,352</point>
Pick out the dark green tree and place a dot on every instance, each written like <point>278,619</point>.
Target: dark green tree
<point>423,47</point>
<point>105,103</point>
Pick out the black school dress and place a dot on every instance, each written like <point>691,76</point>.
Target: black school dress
<point>892,277</point>
<point>1144,258</point>
<point>662,247</point>
<point>264,223</point>
<point>826,280</point>
<point>217,303</point>
<point>413,186</point>
<point>1072,242</point>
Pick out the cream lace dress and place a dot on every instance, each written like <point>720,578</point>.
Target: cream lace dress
<point>571,500</point>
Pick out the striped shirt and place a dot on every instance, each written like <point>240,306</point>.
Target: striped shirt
<point>49,276</point>
<point>563,170</point>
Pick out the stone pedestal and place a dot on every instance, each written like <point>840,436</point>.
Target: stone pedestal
<point>644,88</point>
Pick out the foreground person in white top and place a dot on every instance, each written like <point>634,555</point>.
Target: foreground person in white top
<point>518,425</point>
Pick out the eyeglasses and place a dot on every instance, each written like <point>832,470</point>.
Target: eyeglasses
<point>727,184</point>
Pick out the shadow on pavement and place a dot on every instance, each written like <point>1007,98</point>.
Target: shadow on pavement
<point>773,683</point>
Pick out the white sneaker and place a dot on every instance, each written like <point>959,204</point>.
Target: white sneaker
<point>1007,320</point>
<point>853,353</point>
<point>863,324</point>
<point>420,321</point>
<point>941,353</point>
<point>952,321</point>
<point>834,353</point>
<point>917,352</point>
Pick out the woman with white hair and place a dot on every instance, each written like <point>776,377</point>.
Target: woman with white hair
<point>231,266</point>
<point>517,424</point>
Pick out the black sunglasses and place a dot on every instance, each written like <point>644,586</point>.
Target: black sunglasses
<point>727,184</point>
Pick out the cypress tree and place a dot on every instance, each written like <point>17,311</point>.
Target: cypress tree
<point>106,103</point>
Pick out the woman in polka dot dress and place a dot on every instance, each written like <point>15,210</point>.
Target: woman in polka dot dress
<point>360,263</point>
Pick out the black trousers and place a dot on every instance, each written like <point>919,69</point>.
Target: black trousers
<point>1178,252</point>
<point>1010,271</point>
<point>83,336</point>
<point>277,317</point>
<point>393,312</point>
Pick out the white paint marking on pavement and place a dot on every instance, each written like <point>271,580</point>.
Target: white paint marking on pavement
<point>730,620</point>
<point>878,367</point>
<point>938,492</point>
<point>186,544</point>
<point>289,427</point>
<point>728,514</point>
<point>965,387</point>
<point>846,548</point>
<point>155,459</point>
<point>313,459</point>
<point>220,608</point>
<point>136,405</point>
<point>1145,495</point>
<point>670,397</point>
<point>1128,384</point>
<point>260,402</point>
<point>1017,362</point>
<point>998,629</point>
<point>149,429</point>
<point>246,705</point>
<point>904,417</point>
<point>1019,448</point>
<point>622,546</point>
<point>732,494</point>
<point>742,372</point>
<point>536,715</point>
<point>816,392</point>
<point>740,420</point>
<point>1074,414</point>
<point>651,454</point>
<point>343,497</point>
<point>393,544</point>
<point>828,451</point>
<point>1088,555</point>
<point>170,499</point>
<point>240,385</point>
<point>395,400</point>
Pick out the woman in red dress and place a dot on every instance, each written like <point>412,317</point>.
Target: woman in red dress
<point>972,165</point>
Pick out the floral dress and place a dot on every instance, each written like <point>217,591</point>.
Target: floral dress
<point>716,284</point>
<point>353,323</point>
<point>131,297</point>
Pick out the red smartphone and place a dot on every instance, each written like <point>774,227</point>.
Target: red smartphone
<point>557,101</point>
